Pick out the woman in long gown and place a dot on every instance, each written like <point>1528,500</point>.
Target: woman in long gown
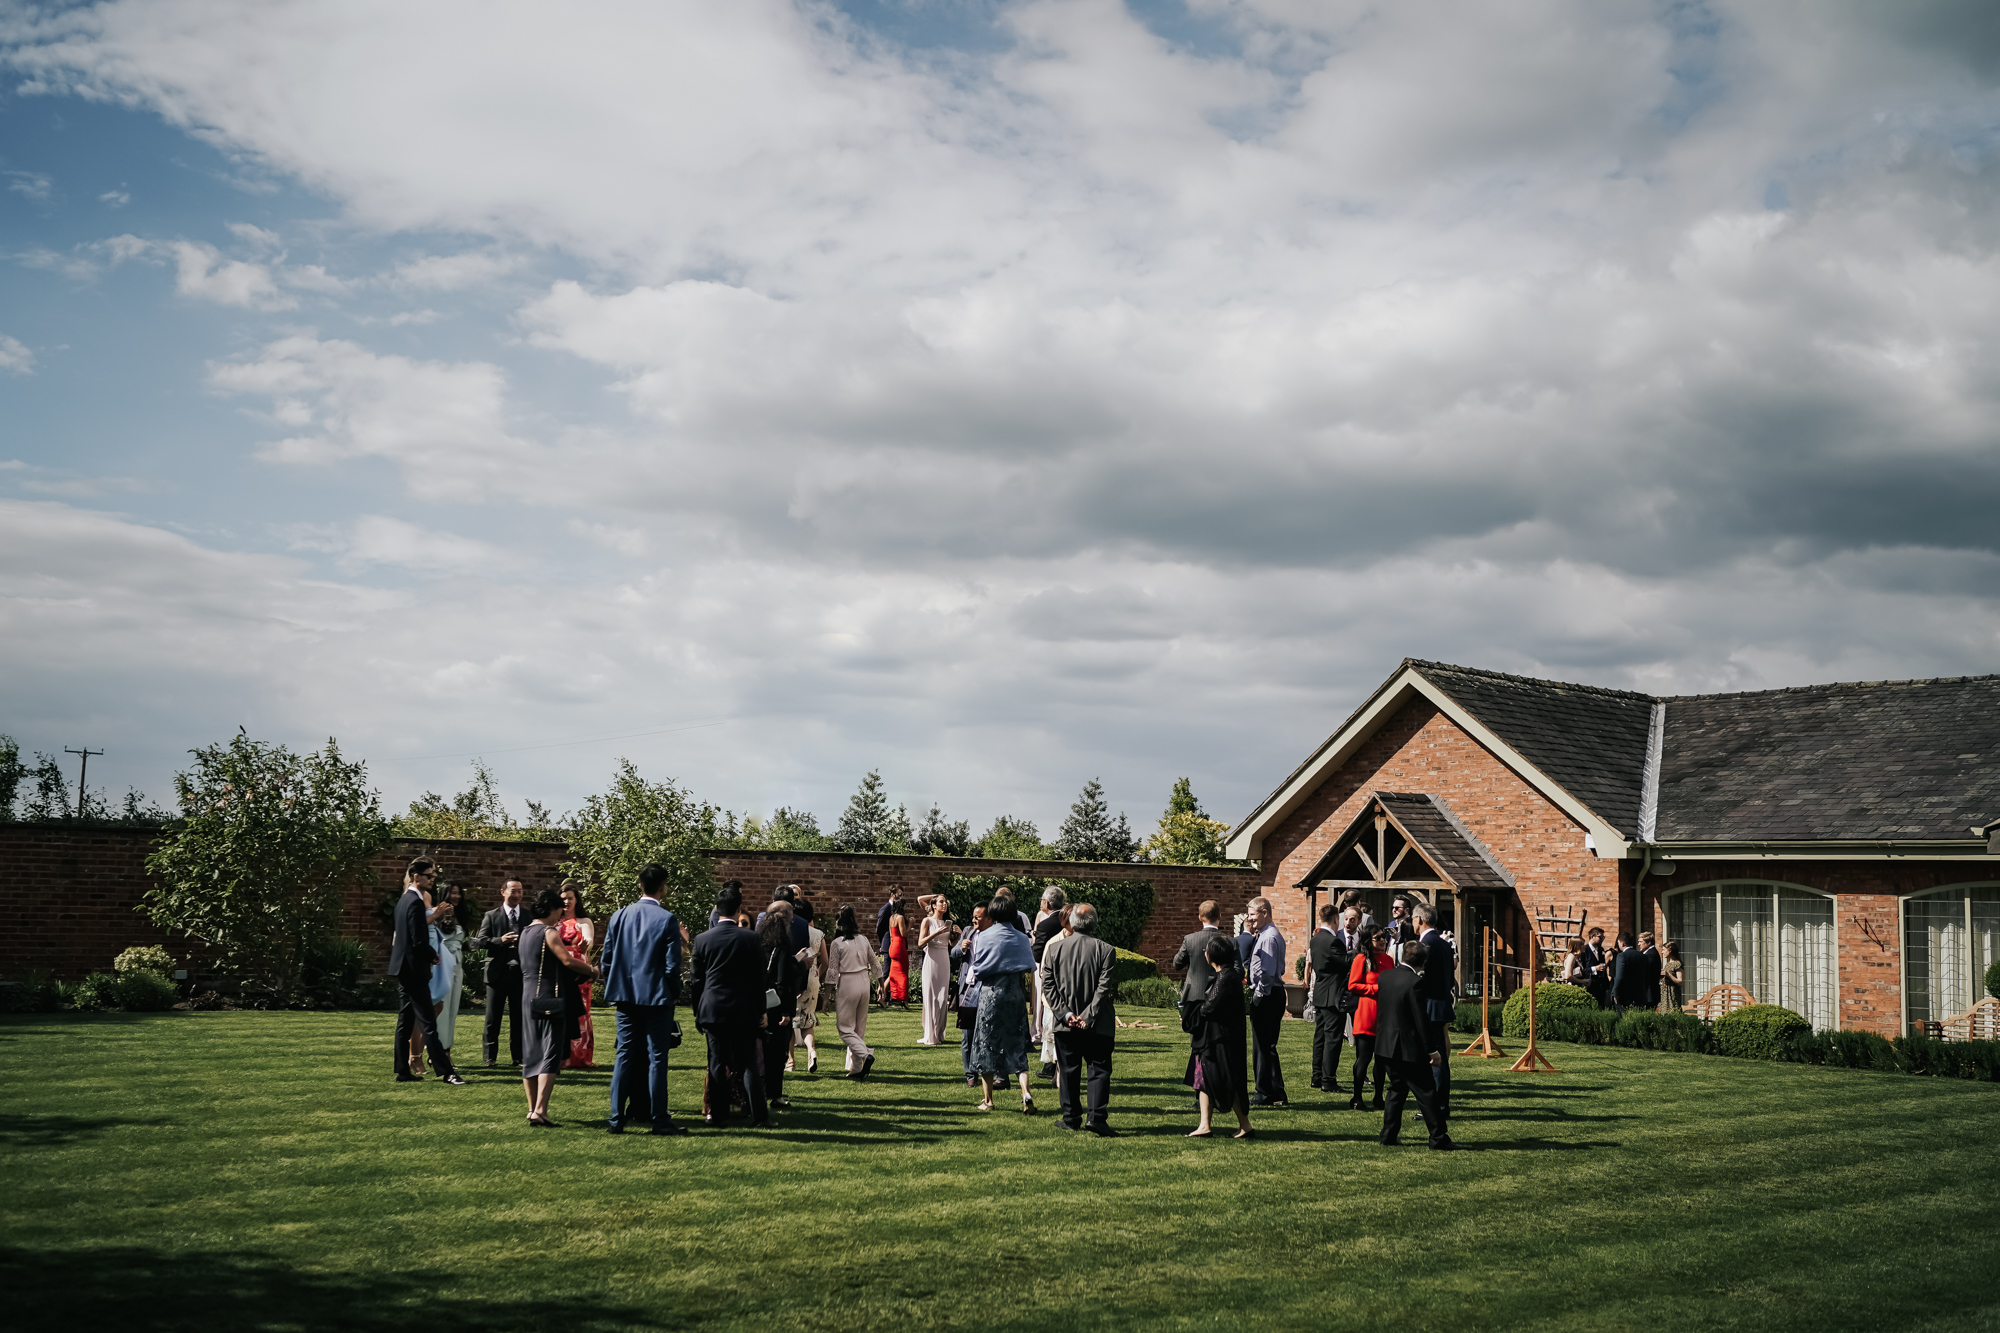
<point>898,991</point>
<point>448,977</point>
<point>577,932</point>
<point>1003,958</point>
<point>441,914</point>
<point>1218,1066</point>
<point>550,969</point>
<point>852,957</point>
<point>934,942</point>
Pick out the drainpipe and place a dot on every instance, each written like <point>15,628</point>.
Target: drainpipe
<point>1645,868</point>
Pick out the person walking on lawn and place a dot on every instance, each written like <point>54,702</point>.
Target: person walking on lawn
<point>1407,1039</point>
<point>1077,983</point>
<point>410,961</point>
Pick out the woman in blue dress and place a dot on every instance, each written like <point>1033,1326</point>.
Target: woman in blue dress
<point>1003,961</point>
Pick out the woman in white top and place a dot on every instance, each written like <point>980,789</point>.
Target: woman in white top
<point>852,958</point>
<point>934,943</point>
<point>815,965</point>
<point>448,977</point>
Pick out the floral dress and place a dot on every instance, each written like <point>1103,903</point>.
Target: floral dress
<point>583,1050</point>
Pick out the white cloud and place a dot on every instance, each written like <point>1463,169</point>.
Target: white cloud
<point>612,536</point>
<point>115,198</point>
<point>379,540</point>
<point>90,488</point>
<point>205,274</point>
<point>15,356</point>
<point>33,184</point>
<point>445,273</point>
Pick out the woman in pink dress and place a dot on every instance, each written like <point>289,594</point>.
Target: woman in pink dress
<point>577,932</point>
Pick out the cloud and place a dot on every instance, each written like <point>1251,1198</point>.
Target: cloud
<point>15,356</point>
<point>90,488</point>
<point>206,275</point>
<point>445,273</point>
<point>611,536</point>
<point>379,540</point>
<point>31,184</point>
<point>115,198</point>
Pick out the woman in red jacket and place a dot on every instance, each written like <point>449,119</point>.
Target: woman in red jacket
<point>1364,980</point>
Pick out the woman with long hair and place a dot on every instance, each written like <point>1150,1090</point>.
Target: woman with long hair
<point>581,936</point>
<point>1673,976</point>
<point>934,938</point>
<point>1218,1067</point>
<point>549,971</point>
<point>806,1021</point>
<point>852,957</point>
<point>448,977</point>
<point>1364,979</point>
<point>896,990</point>
<point>782,974</point>
<point>1574,970</point>
<point>1003,958</point>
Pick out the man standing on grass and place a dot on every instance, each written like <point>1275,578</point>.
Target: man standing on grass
<point>1629,982</point>
<point>1076,980</point>
<point>1330,954</point>
<point>726,991</point>
<point>1405,1038</point>
<point>1192,957</point>
<point>411,959</point>
<point>500,936</point>
<point>1262,950</point>
<point>640,966</point>
<point>1596,967</point>
<point>1651,954</point>
<point>1438,989</point>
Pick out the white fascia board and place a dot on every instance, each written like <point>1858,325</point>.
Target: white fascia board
<point>1850,849</point>
<point>1246,841</point>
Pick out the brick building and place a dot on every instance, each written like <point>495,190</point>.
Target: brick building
<point>1831,848</point>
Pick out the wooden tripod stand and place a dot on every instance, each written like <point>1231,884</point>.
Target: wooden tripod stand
<point>1485,1046</point>
<point>1532,1060</point>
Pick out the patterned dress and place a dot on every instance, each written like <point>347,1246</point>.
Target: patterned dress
<point>582,1051</point>
<point>1000,1036</point>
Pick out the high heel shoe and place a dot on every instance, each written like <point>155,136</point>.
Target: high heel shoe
<point>1027,1106</point>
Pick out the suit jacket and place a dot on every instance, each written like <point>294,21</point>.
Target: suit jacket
<point>411,955</point>
<point>1330,961</point>
<point>1595,966</point>
<point>503,961</point>
<point>1653,967</point>
<point>1402,1030</point>
<point>1440,977</point>
<point>640,961</point>
<point>1193,955</point>
<point>1077,979</point>
<point>726,977</point>
<point>1047,929</point>
<point>1630,978</point>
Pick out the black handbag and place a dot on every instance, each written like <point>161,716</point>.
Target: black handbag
<point>550,1007</point>
<point>1190,1017</point>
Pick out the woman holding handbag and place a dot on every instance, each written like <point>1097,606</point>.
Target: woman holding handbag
<point>784,978</point>
<point>855,967</point>
<point>549,973</point>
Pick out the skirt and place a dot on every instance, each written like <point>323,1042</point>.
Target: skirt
<point>1000,1036</point>
<point>543,1046</point>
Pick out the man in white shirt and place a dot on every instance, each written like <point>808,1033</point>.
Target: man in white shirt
<point>500,935</point>
<point>1262,950</point>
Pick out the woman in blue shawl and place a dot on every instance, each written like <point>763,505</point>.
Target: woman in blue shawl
<point>1003,960</point>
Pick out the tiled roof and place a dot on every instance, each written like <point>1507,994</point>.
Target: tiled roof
<point>1439,835</point>
<point>1886,759</point>
<point>1590,741</point>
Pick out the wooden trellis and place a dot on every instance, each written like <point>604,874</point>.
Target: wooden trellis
<point>1555,925</point>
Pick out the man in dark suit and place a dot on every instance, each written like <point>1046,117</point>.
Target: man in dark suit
<point>1439,990</point>
<point>1406,1039</point>
<point>1596,967</point>
<point>500,935</point>
<point>1076,975</point>
<point>726,991</point>
<point>411,959</point>
<point>640,968</point>
<point>1629,975</point>
<point>1330,954</point>
<point>1649,952</point>
<point>1401,929</point>
<point>1192,956</point>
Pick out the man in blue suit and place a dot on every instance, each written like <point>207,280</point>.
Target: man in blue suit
<point>1437,989</point>
<point>641,968</point>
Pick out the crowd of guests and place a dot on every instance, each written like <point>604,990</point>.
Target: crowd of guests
<point>1633,974</point>
<point>1020,990</point>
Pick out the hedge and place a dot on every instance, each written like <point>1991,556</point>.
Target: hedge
<point>1149,993</point>
<point>1993,979</point>
<point>1132,967</point>
<point>1549,997</point>
<point>1123,905</point>
<point>1759,1032</point>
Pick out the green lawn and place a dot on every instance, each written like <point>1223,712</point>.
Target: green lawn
<point>227,1171</point>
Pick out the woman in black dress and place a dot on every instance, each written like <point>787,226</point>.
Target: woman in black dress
<point>1219,1053</point>
<point>550,970</point>
<point>783,974</point>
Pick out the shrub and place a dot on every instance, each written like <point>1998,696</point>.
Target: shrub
<point>1759,1032</point>
<point>1976,1060</point>
<point>1132,967</point>
<point>330,972</point>
<point>1993,979</point>
<point>1648,1031</point>
<point>1852,1050</point>
<point>144,958</point>
<point>145,992</point>
<point>1586,1027</point>
<point>99,990</point>
<point>1549,996</point>
<point>32,993</point>
<point>1465,1018</point>
<point>1149,993</point>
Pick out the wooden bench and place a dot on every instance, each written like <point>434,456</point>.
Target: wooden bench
<point>1979,1023</point>
<point>1720,1000</point>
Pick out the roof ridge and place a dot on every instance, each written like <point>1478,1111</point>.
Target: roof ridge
<point>1833,685</point>
<point>1421,664</point>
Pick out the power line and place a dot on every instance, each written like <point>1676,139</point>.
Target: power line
<point>557,745</point>
<point>82,773</point>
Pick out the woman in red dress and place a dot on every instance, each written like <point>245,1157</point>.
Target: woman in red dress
<point>899,962</point>
<point>1364,979</point>
<point>576,931</point>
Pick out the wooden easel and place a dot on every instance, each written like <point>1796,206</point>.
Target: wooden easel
<point>1532,1060</point>
<point>1555,925</point>
<point>1485,1046</point>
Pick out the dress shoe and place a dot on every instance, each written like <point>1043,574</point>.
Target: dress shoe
<point>1064,1124</point>
<point>669,1130</point>
<point>1102,1131</point>
<point>1356,1105</point>
<point>454,1080</point>
<point>1444,1145</point>
<point>614,1129</point>
<point>1048,1072</point>
<point>409,1078</point>
<point>1390,1143</point>
<point>1378,1105</point>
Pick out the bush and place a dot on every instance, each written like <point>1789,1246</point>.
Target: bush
<point>1149,993</point>
<point>1132,967</point>
<point>1549,997</point>
<point>1123,906</point>
<point>1993,979</point>
<point>99,990</point>
<point>1976,1060</point>
<point>145,992</point>
<point>330,971</point>
<point>32,993</point>
<point>1645,1030</point>
<point>1586,1027</point>
<point>1846,1050</point>
<point>1465,1018</point>
<point>1759,1032</point>
<point>144,958</point>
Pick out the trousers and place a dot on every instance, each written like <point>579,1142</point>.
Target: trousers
<point>1329,1035</point>
<point>1440,1036</point>
<point>1074,1052</point>
<point>414,1014</point>
<point>733,1046</point>
<point>1407,1079</point>
<point>639,1070</point>
<point>502,1000</point>
<point>1267,1016</point>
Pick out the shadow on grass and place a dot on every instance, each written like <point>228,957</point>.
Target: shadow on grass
<point>132,1287</point>
<point>43,1131</point>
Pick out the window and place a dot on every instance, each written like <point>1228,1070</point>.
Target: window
<point>1773,940</point>
<point>1950,938</point>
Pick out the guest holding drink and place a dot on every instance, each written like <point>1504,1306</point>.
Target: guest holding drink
<point>934,939</point>
<point>580,935</point>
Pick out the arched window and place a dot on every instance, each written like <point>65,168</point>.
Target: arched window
<point>1773,940</point>
<point>1950,937</point>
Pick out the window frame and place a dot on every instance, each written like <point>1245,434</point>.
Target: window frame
<point>1903,901</point>
<point>1716,889</point>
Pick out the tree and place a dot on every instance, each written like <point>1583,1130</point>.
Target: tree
<point>1012,839</point>
<point>637,821</point>
<point>1186,836</point>
<point>12,772</point>
<point>268,843</point>
<point>787,830</point>
<point>868,825</point>
<point>1089,835</point>
<point>942,837</point>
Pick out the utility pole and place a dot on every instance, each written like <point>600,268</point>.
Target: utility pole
<point>82,772</point>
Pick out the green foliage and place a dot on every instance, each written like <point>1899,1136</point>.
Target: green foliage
<point>1465,1018</point>
<point>1585,1027</point>
<point>331,975</point>
<point>786,830</point>
<point>1133,967</point>
<point>1993,979</point>
<point>1648,1031</point>
<point>1123,906</point>
<point>49,799</point>
<point>938,836</point>
<point>869,825</point>
<point>12,773</point>
<point>1012,839</point>
<point>1975,1060</point>
<point>1148,993</point>
<point>145,992</point>
<point>32,993</point>
<point>637,821</point>
<point>475,814</point>
<point>268,843</point>
<point>1759,1032</point>
<point>97,991</point>
<point>144,958</point>
<point>1088,833</point>
<point>1549,997</point>
<point>1844,1050</point>
<point>1187,836</point>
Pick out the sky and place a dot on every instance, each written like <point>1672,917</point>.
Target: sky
<point>997,395</point>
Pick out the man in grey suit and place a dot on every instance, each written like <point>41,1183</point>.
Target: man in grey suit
<point>1076,977</point>
<point>500,936</point>
<point>1193,954</point>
